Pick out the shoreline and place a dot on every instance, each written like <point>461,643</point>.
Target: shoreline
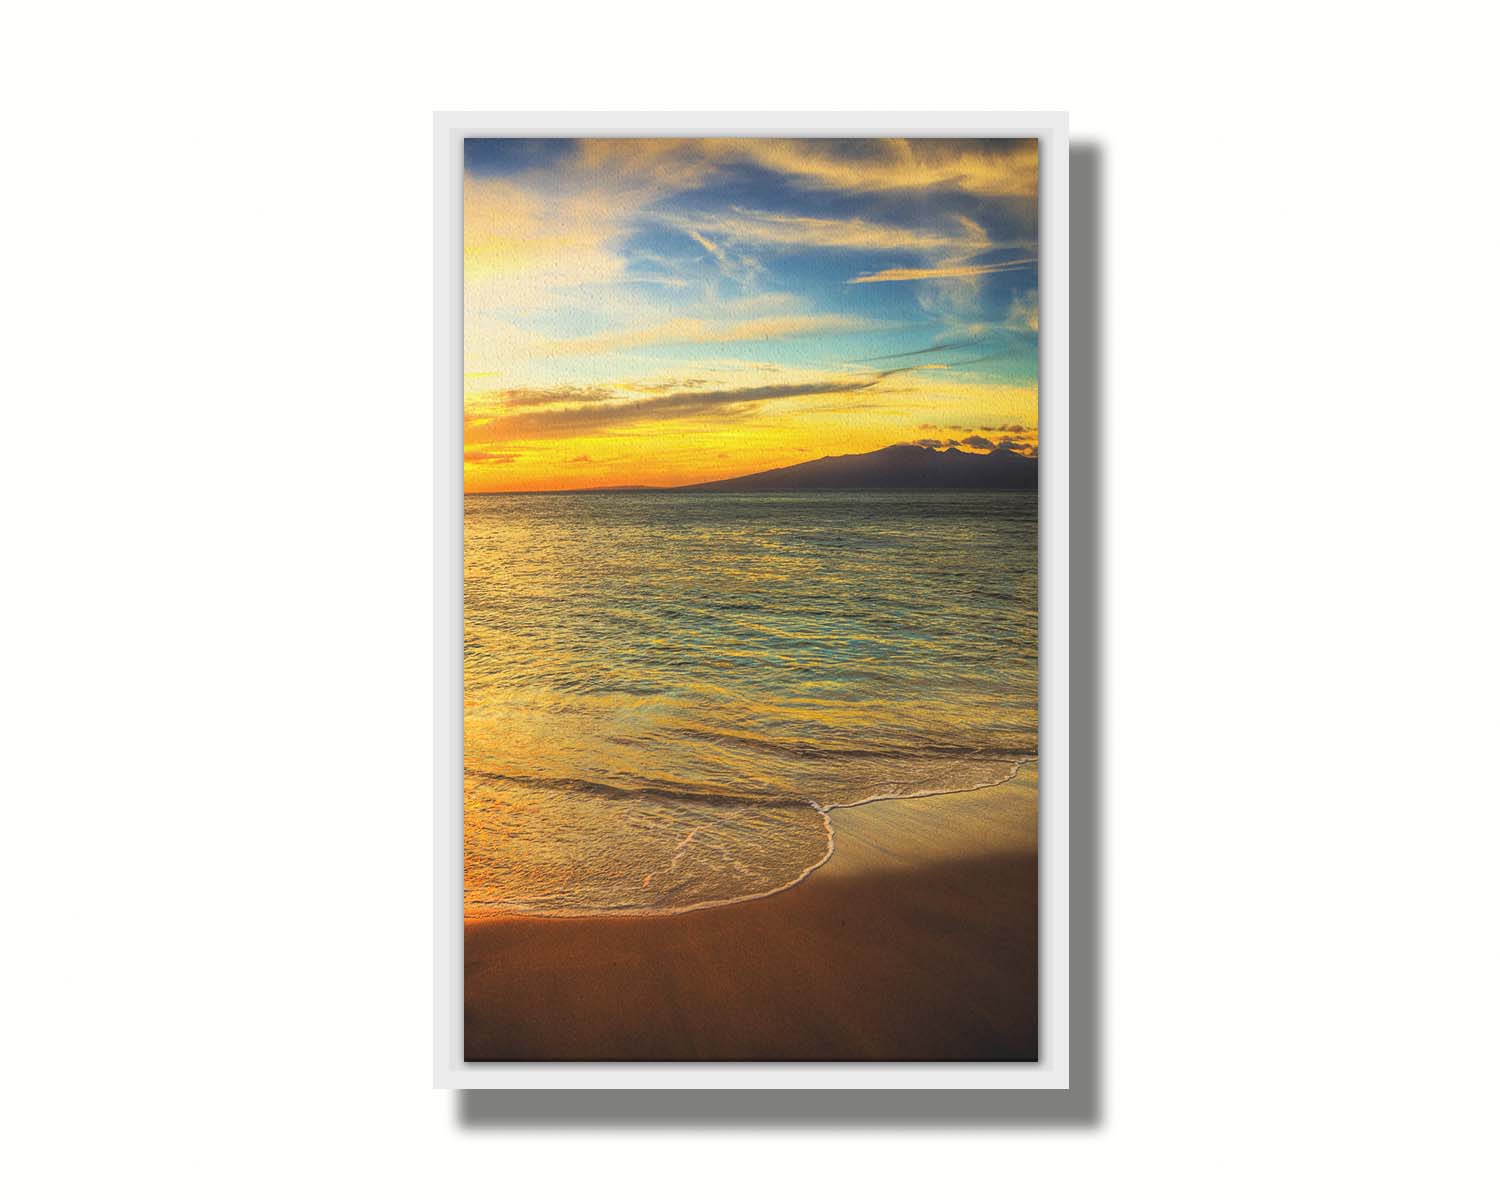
<point>823,810</point>
<point>916,942</point>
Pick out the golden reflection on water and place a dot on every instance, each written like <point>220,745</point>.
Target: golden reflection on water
<point>663,692</point>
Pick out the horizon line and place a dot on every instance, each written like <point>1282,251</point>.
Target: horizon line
<point>680,487</point>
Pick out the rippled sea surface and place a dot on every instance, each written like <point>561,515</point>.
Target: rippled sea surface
<point>664,693</point>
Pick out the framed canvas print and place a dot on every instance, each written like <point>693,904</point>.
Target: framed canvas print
<point>751,446</point>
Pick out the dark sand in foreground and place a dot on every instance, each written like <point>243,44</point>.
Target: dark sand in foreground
<point>916,942</point>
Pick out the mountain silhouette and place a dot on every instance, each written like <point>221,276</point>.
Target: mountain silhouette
<point>895,467</point>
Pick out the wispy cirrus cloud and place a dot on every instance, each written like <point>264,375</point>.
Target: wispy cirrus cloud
<point>742,268</point>
<point>705,331</point>
<point>1024,314</point>
<point>501,346</point>
<point>978,167</point>
<point>962,236</point>
<point>949,271</point>
<point>965,344</point>
<point>984,167</point>
<point>539,397</point>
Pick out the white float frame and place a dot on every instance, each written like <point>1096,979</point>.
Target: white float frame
<point>1051,1069</point>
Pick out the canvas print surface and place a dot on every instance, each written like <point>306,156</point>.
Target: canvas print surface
<point>750,600</point>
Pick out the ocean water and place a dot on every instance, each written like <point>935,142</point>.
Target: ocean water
<point>665,693</point>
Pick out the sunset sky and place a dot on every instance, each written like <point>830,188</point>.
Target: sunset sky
<point>661,312</point>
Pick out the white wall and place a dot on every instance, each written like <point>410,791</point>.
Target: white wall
<point>215,486</point>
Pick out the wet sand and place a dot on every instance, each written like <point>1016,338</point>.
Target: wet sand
<point>917,941</point>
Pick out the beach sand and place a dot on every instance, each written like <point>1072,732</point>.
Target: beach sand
<point>917,941</point>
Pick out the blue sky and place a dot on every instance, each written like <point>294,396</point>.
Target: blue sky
<point>785,296</point>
